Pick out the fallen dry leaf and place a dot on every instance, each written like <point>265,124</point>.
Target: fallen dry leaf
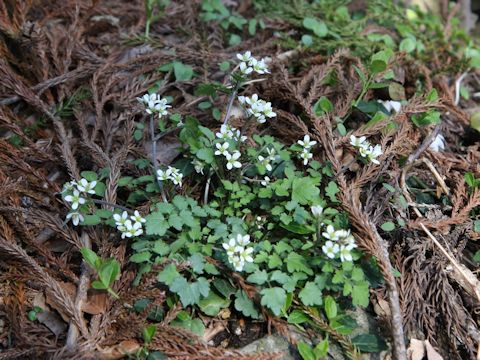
<point>119,351</point>
<point>416,350</point>
<point>432,354</point>
<point>96,302</point>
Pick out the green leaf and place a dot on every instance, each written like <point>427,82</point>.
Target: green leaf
<point>98,285</point>
<point>317,26</point>
<point>304,190</point>
<point>476,257</point>
<point>224,287</point>
<point>193,325</point>
<point>89,175</point>
<point>245,305</point>
<point>206,154</point>
<point>297,317</point>
<point>148,333</point>
<point>224,65</point>
<point>91,258</point>
<point>380,60</point>
<point>182,72</point>
<point>428,118</point>
<point>305,351</point>
<point>388,226</point>
<point>321,350</point>
<point>369,343</point>
<point>331,190</point>
<point>330,307</point>
<point>259,277</point>
<point>311,294</point>
<point>212,304</point>
<point>91,220</point>
<point>408,45</point>
<point>274,299</point>
<point>360,294</point>
<point>168,274</point>
<point>307,40</point>
<point>296,262</point>
<point>188,292</point>
<point>322,105</point>
<point>141,257</point>
<point>161,248</point>
<point>156,224</point>
<point>109,271</point>
<point>197,261</point>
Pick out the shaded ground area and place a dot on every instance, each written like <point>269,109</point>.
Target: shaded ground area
<point>71,72</point>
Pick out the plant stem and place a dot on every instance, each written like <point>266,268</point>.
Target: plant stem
<point>230,102</point>
<point>103,202</point>
<point>154,158</point>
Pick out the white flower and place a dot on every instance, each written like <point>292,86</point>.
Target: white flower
<point>271,154</point>
<point>245,57</point>
<point>260,67</point>
<point>237,262</point>
<point>68,186</point>
<point>330,233</point>
<point>330,249</point>
<point>245,69</point>
<point>358,142</point>
<point>198,165</point>
<point>176,178</point>
<point>154,104</point>
<point>305,155</point>
<point>232,160</point>
<point>317,210</point>
<point>345,252</point>
<point>390,105</point>
<point>246,254</point>
<point>163,175</point>
<point>161,107</point>
<point>265,162</point>
<point>375,152</point>
<point>243,240</point>
<point>222,148</point>
<point>147,98</point>
<point>306,143</point>
<point>137,217</point>
<point>76,217</point>
<point>225,132</point>
<point>364,151</point>
<point>251,100</point>
<point>75,199</point>
<point>265,181</point>
<point>120,220</point>
<point>87,187</point>
<point>438,143</point>
<point>237,135</point>
<point>131,230</point>
<point>230,246</point>
<point>261,119</point>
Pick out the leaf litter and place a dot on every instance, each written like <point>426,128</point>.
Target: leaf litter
<point>70,76</point>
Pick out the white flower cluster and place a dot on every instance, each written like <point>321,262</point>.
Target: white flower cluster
<point>339,242</point>
<point>366,150</point>
<point>390,105</point>
<point>228,132</point>
<point>238,251</point>
<point>76,193</point>
<point>154,104</point>
<point>172,174</point>
<point>259,108</point>
<point>306,145</point>
<point>248,64</point>
<point>129,227</point>
<point>267,161</point>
